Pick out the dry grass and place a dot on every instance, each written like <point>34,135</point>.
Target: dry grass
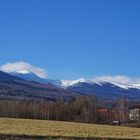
<point>68,129</point>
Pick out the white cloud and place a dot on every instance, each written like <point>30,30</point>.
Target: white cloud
<point>117,79</point>
<point>23,67</point>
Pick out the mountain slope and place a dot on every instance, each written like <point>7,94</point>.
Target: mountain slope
<point>5,76</point>
<point>15,88</point>
<point>30,76</point>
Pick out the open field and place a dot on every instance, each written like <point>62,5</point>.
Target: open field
<point>22,127</point>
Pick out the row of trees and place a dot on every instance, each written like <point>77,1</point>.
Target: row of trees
<point>82,109</point>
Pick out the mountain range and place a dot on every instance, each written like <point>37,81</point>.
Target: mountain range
<point>100,89</point>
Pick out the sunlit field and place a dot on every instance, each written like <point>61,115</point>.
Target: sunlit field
<point>25,127</point>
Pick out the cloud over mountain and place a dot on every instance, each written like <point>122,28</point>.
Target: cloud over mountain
<point>23,67</point>
<point>117,79</point>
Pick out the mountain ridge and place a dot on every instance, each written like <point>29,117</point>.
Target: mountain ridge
<point>30,76</point>
<point>100,89</point>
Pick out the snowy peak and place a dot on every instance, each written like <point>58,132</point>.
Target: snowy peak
<point>67,83</point>
<point>70,83</point>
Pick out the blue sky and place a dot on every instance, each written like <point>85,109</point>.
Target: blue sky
<point>72,38</point>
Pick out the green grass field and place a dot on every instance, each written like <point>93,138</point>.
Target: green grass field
<point>65,129</point>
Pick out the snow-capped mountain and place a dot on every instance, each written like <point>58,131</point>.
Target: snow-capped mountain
<point>70,83</point>
<point>103,89</point>
<point>99,88</point>
<point>30,76</point>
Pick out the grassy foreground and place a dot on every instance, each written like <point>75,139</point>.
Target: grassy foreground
<point>66,129</point>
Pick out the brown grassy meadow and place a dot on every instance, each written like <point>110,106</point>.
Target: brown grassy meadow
<point>42,128</point>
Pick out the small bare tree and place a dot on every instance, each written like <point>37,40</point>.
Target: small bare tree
<point>121,109</point>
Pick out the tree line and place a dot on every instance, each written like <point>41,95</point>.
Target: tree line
<point>82,109</point>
